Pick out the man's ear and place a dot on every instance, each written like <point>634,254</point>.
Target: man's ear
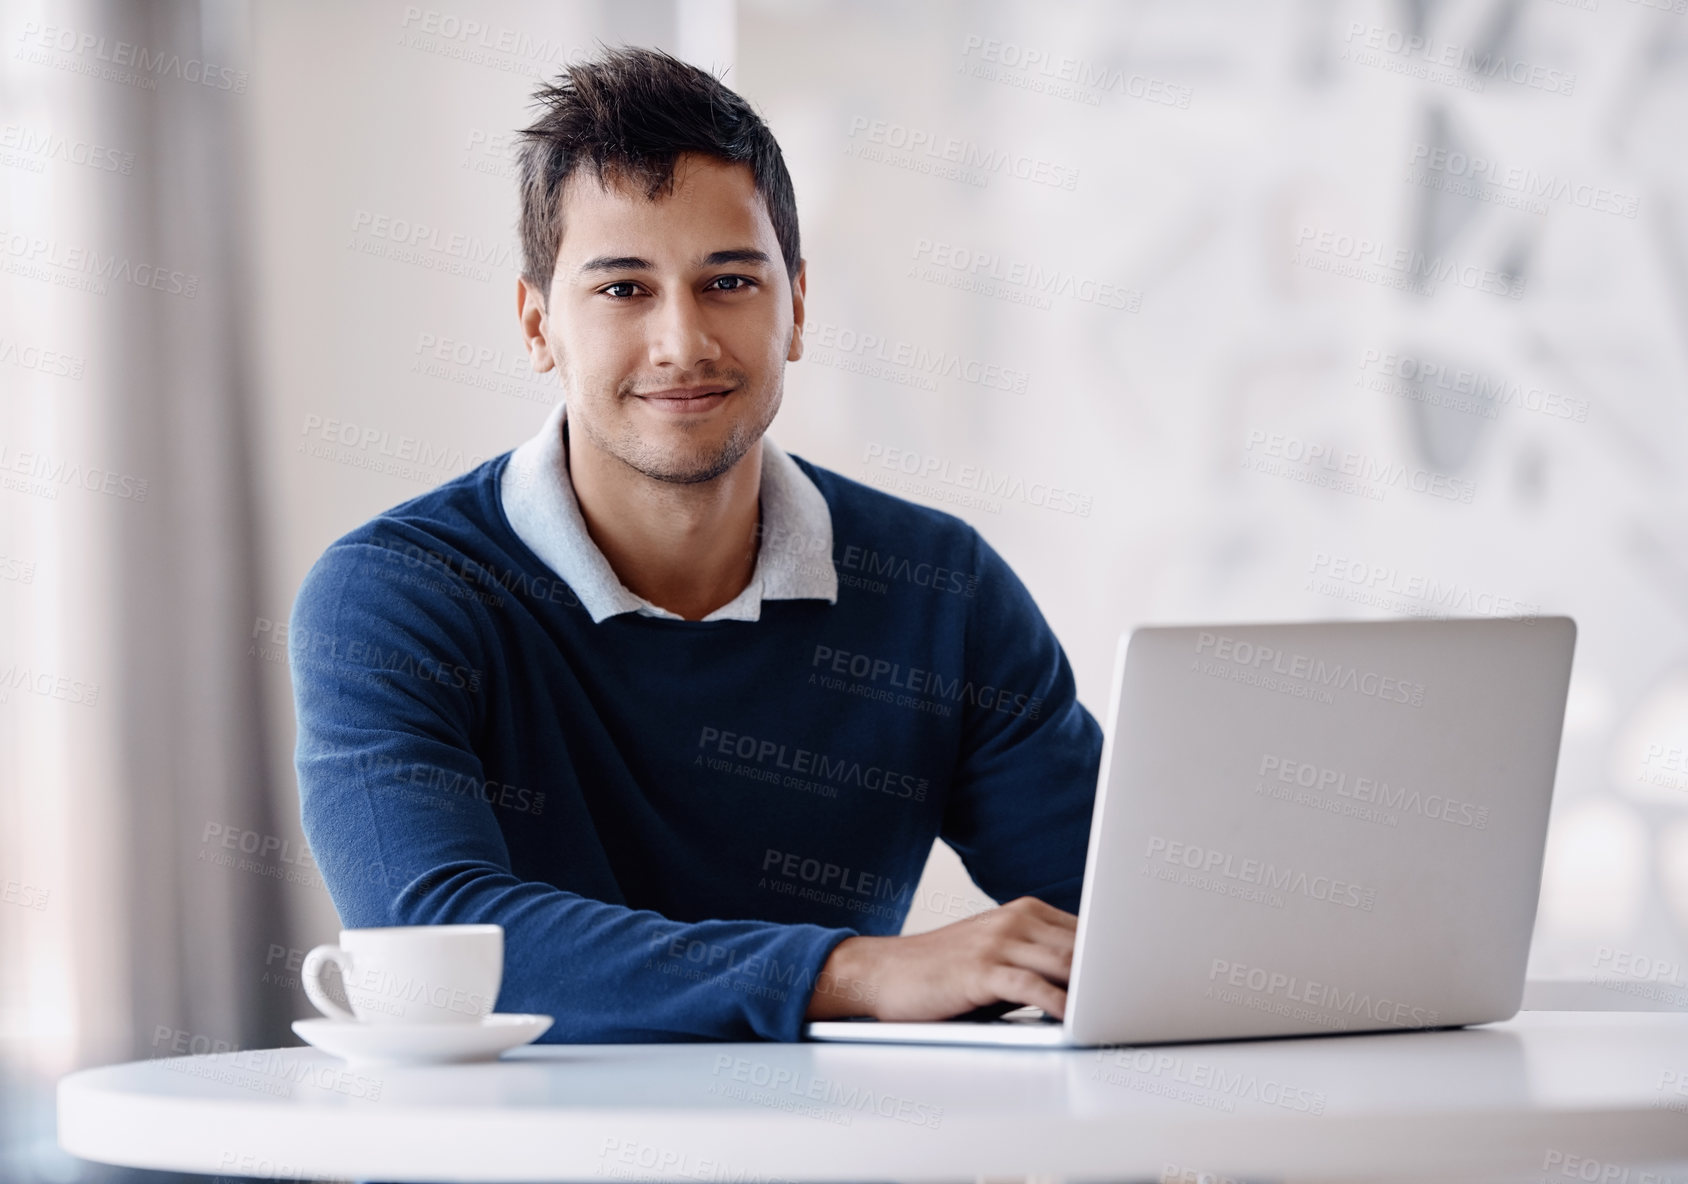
<point>799,284</point>
<point>530,312</point>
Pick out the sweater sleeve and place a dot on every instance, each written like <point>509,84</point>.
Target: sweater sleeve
<point>391,680</point>
<point>1018,813</point>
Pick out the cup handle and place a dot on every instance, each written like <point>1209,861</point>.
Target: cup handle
<point>310,974</point>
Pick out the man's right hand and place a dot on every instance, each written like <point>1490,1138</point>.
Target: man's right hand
<point>1020,952</point>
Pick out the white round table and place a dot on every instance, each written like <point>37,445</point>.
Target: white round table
<point>1555,1096</point>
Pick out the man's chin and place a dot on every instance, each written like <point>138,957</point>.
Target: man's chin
<point>684,475</point>
<point>687,465</point>
<point>681,449</point>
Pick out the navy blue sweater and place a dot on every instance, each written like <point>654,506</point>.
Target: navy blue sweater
<point>676,821</point>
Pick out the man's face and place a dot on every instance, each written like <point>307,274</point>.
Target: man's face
<point>671,320</point>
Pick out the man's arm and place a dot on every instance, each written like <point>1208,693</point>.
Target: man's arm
<point>1018,814</point>
<point>390,678</point>
<point>1019,810</point>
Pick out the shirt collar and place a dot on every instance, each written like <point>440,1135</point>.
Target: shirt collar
<point>793,558</point>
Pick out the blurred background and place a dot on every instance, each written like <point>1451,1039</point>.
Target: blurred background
<point>1200,311</point>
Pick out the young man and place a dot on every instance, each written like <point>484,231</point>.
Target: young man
<point>681,712</point>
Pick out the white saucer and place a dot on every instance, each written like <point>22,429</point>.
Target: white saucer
<point>422,1044</point>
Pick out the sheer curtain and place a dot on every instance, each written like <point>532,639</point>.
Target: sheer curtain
<point>131,739</point>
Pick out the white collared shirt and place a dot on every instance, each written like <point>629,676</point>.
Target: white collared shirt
<point>538,498</point>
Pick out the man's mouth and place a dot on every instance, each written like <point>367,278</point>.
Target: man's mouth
<point>688,399</point>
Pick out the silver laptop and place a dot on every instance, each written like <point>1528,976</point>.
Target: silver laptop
<point>1306,829</point>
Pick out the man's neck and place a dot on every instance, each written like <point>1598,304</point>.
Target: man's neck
<point>687,548</point>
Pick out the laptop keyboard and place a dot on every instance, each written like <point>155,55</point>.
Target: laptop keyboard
<point>1026,1015</point>
<point>1004,1013</point>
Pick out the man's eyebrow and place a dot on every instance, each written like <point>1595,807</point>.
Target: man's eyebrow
<point>615,263</point>
<point>740,255</point>
<point>635,263</point>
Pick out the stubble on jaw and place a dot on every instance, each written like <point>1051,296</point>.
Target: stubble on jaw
<point>698,465</point>
<point>690,465</point>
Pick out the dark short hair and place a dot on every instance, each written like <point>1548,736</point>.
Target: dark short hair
<point>629,114</point>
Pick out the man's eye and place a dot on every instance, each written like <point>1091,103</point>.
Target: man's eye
<point>628,289</point>
<point>736,283</point>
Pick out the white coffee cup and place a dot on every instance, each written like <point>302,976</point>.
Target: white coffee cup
<point>410,974</point>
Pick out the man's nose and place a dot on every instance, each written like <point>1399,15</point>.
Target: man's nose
<point>681,335</point>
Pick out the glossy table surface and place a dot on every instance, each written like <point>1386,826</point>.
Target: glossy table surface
<point>1542,1096</point>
